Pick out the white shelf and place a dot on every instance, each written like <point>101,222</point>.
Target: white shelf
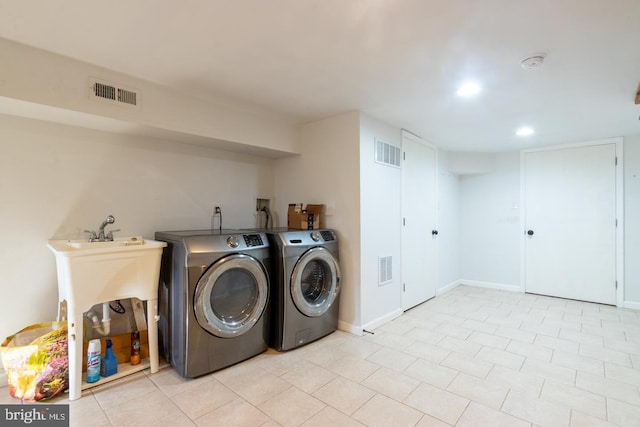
<point>124,369</point>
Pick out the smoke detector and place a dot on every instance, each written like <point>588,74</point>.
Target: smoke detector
<point>532,62</point>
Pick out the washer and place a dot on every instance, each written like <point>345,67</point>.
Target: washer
<point>305,286</point>
<point>213,298</point>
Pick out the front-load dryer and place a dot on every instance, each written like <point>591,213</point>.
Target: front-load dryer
<point>213,299</point>
<point>305,286</point>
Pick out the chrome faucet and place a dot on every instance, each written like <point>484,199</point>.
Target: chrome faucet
<point>100,237</point>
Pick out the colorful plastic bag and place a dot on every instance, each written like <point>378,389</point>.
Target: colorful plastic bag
<point>36,361</point>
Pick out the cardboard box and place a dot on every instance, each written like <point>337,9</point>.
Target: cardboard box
<point>308,219</point>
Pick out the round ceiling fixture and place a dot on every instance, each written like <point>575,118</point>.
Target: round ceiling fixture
<point>532,62</point>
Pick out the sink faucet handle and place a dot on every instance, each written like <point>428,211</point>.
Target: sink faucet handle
<point>92,235</point>
<point>110,234</point>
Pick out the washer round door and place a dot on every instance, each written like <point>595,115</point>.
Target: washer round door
<point>315,282</point>
<point>231,295</point>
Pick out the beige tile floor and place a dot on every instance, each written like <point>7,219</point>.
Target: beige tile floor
<point>471,357</point>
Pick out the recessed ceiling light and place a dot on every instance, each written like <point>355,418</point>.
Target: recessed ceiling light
<point>525,131</point>
<point>468,89</point>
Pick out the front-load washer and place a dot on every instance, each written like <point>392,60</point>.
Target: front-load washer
<point>213,299</point>
<point>305,286</point>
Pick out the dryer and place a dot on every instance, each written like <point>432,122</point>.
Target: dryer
<point>305,286</point>
<point>213,298</point>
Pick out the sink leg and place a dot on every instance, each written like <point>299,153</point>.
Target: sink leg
<point>62,310</point>
<point>152,331</point>
<point>74,323</point>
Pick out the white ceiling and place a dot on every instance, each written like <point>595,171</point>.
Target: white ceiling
<point>400,61</point>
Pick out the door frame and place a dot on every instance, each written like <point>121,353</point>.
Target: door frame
<point>618,141</point>
<point>405,134</point>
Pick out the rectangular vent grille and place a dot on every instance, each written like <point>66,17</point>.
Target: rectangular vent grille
<point>104,91</point>
<point>127,97</point>
<point>385,270</point>
<point>112,94</point>
<point>387,154</point>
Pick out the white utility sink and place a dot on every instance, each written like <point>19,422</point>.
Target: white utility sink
<point>91,273</point>
<point>70,245</point>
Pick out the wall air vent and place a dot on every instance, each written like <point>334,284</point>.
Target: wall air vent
<point>100,90</point>
<point>387,154</point>
<point>385,270</point>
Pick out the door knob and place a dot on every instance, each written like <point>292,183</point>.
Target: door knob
<point>530,232</point>
<point>434,232</point>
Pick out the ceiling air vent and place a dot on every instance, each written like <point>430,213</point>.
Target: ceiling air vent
<point>104,91</point>
<point>387,154</point>
<point>112,93</point>
<point>127,96</point>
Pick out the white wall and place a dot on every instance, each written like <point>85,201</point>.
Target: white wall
<point>380,224</point>
<point>56,181</point>
<point>327,172</point>
<point>632,219</point>
<point>489,229</point>
<point>364,206</point>
<point>489,232</point>
<point>449,243</point>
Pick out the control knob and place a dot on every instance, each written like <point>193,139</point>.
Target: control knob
<point>232,241</point>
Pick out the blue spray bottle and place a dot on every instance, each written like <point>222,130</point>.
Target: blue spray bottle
<point>109,363</point>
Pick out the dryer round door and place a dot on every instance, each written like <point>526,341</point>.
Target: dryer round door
<point>231,295</point>
<point>315,282</point>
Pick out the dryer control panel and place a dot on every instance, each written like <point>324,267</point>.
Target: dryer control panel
<point>252,240</point>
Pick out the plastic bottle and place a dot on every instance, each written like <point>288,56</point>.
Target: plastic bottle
<point>109,363</point>
<point>135,347</point>
<point>93,361</point>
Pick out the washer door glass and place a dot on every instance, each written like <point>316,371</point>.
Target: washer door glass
<point>315,282</point>
<point>231,295</point>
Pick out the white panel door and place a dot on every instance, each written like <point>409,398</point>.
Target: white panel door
<point>570,223</point>
<point>419,229</point>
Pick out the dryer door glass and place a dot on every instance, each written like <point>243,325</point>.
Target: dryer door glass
<point>231,296</point>
<point>315,282</point>
<point>234,295</point>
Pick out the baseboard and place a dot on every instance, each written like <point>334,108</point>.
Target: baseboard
<point>349,327</point>
<point>632,305</point>
<point>491,285</point>
<point>376,323</point>
<point>448,287</point>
